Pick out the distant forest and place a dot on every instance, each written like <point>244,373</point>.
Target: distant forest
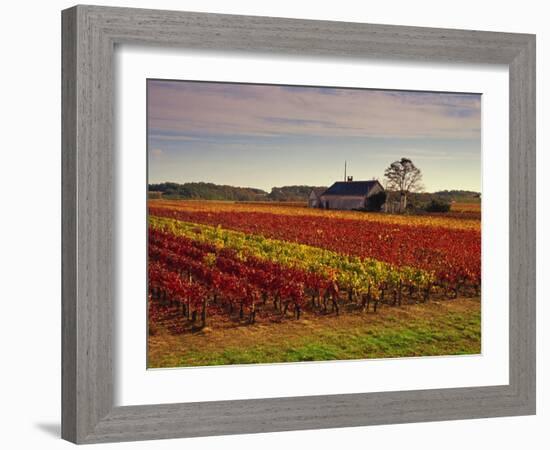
<point>447,196</point>
<point>211,191</point>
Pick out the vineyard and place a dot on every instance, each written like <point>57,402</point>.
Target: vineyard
<point>213,263</point>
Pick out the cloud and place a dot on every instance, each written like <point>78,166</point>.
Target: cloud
<point>163,136</point>
<point>156,152</point>
<point>267,110</point>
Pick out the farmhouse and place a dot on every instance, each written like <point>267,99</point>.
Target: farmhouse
<point>314,200</point>
<point>349,195</point>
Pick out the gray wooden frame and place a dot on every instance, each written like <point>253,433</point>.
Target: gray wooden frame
<point>89,36</point>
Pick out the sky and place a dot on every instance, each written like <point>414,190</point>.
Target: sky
<point>253,135</point>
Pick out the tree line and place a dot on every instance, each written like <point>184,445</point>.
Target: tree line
<point>211,191</point>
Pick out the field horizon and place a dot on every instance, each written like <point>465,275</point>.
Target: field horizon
<point>206,190</point>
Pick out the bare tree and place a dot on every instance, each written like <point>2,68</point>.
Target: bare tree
<point>404,177</point>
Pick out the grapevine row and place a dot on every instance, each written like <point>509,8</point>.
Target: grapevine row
<point>449,221</point>
<point>231,281</point>
<point>452,255</point>
<point>195,274</point>
<point>354,275</point>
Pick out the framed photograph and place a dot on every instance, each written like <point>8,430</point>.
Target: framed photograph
<point>278,224</point>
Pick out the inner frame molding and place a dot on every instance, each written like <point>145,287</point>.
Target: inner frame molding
<point>89,36</point>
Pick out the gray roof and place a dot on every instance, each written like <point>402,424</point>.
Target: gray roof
<point>355,188</point>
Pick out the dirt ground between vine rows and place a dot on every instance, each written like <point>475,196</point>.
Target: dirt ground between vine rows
<point>442,327</point>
